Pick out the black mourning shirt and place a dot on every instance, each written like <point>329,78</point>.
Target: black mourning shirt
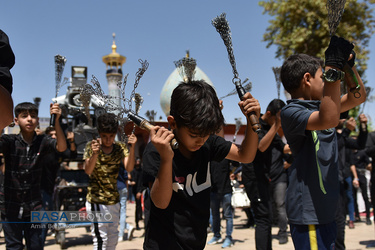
<point>183,224</point>
<point>23,173</point>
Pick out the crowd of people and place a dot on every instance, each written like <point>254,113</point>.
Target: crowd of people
<point>301,169</point>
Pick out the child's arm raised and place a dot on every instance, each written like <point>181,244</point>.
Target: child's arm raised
<point>60,136</point>
<point>161,191</point>
<point>336,56</point>
<point>356,89</point>
<point>247,151</point>
<point>91,161</point>
<point>129,160</point>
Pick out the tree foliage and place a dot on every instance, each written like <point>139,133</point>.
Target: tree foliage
<point>302,27</point>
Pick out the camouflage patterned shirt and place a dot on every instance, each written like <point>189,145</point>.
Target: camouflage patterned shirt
<point>102,188</point>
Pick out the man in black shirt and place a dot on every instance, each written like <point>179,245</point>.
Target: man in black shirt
<point>362,163</point>
<point>270,155</point>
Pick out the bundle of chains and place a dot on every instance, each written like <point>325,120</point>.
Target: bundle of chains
<point>222,27</point>
<point>107,101</point>
<point>59,69</point>
<point>186,68</point>
<point>335,10</point>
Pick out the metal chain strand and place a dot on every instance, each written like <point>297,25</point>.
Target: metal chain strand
<point>335,11</point>
<point>59,69</point>
<point>247,87</point>
<point>107,101</point>
<point>138,76</point>
<point>222,27</point>
<point>121,86</point>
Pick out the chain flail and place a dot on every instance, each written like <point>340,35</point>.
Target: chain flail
<point>335,10</point>
<point>186,68</point>
<point>59,69</point>
<point>222,27</point>
<point>107,101</point>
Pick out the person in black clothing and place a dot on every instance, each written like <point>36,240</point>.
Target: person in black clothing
<point>180,193</point>
<point>279,183</point>
<point>51,165</point>
<point>7,60</point>
<point>362,163</point>
<point>370,151</point>
<point>23,173</point>
<point>137,191</point>
<point>270,155</point>
<point>238,177</point>
<point>221,193</point>
<point>345,143</point>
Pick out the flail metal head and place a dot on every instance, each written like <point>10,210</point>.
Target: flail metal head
<point>186,67</point>
<point>276,71</point>
<point>222,27</point>
<point>335,11</point>
<point>59,69</point>
<point>138,100</point>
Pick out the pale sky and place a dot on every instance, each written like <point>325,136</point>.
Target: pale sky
<point>157,31</point>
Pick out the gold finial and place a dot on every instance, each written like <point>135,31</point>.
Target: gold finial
<point>114,59</point>
<point>114,47</point>
<point>187,54</point>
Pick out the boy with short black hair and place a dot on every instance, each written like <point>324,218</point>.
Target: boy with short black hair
<point>102,163</point>
<point>23,172</point>
<point>308,122</point>
<point>180,193</point>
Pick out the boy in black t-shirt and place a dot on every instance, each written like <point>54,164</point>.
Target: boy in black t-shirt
<point>180,193</point>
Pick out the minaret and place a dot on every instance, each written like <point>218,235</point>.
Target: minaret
<point>114,62</point>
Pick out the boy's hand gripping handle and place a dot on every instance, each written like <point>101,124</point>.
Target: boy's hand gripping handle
<point>252,116</point>
<point>144,124</point>
<point>52,121</point>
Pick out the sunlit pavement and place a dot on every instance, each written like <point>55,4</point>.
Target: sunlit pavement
<point>361,237</point>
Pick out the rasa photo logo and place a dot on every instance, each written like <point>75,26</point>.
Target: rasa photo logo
<point>70,217</point>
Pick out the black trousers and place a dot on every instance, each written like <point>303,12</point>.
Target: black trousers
<point>262,208</point>
<point>138,210</point>
<point>340,218</point>
<point>15,232</point>
<point>363,186</point>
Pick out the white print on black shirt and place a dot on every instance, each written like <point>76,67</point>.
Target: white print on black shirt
<point>191,183</point>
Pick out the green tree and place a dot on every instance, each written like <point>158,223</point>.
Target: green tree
<point>302,27</point>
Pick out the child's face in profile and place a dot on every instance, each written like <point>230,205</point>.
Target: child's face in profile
<point>107,139</point>
<point>27,121</point>
<point>317,85</point>
<point>189,139</point>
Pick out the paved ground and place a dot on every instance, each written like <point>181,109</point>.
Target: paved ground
<point>79,239</point>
